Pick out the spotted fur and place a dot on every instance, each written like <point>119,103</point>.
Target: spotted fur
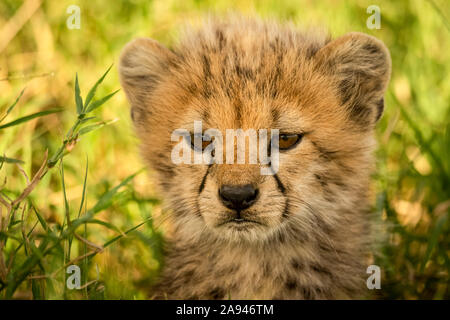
<point>312,233</point>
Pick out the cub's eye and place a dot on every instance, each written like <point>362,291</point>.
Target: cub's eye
<point>204,144</point>
<point>288,141</point>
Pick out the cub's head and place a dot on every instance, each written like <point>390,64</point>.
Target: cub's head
<point>322,96</point>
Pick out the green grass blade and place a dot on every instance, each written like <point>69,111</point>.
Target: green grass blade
<point>434,239</point>
<point>41,219</point>
<point>94,126</point>
<point>37,290</point>
<point>66,202</point>
<point>423,143</point>
<point>66,209</point>
<point>40,254</point>
<point>8,111</point>
<point>29,117</point>
<point>83,195</point>
<point>8,235</point>
<point>104,202</point>
<point>91,92</point>
<point>106,199</point>
<point>84,120</point>
<point>98,103</point>
<point>15,279</point>
<point>15,102</point>
<point>78,99</point>
<point>109,242</point>
<point>105,224</point>
<point>9,160</point>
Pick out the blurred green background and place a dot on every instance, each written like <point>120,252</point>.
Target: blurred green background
<point>39,53</point>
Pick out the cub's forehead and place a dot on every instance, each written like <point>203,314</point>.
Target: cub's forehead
<point>256,113</point>
<point>245,55</point>
<point>249,39</point>
<point>247,75</point>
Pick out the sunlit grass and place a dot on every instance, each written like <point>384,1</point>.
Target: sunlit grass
<point>411,185</point>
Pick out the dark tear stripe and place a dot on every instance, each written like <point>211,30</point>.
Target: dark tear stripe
<point>237,104</point>
<point>286,209</point>
<point>202,184</point>
<point>279,184</point>
<point>282,189</point>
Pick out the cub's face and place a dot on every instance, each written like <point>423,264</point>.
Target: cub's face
<point>322,96</point>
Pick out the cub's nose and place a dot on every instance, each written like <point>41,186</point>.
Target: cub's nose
<point>238,197</point>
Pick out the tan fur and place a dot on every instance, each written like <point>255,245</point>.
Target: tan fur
<point>313,239</point>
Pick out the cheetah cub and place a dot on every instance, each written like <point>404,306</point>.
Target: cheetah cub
<point>302,232</point>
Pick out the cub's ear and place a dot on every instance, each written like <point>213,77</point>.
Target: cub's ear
<point>142,64</point>
<point>361,67</point>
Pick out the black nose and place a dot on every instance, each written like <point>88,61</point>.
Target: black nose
<point>238,197</point>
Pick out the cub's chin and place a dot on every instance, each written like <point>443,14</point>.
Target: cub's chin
<point>242,230</point>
